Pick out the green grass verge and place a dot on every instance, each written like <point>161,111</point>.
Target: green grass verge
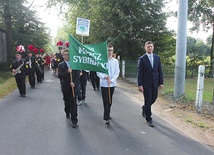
<point>191,88</point>
<point>7,83</point>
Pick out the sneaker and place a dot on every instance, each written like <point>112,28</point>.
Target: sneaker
<point>79,103</point>
<point>84,102</point>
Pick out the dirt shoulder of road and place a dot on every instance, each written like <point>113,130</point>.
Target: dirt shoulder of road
<point>199,127</point>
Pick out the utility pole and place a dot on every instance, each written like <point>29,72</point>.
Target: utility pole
<point>180,63</point>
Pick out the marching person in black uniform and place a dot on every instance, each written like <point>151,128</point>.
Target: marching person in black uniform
<point>31,65</point>
<point>42,63</point>
<point>59,56</point>
<point>67,85</point>
<point>95,80</point>
<point>19,70</point>
<point>39,70</point>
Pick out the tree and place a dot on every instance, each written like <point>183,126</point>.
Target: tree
<point>22,26</point>
<point>126,24</point>
<point>197,51</point>
<point>202,13</point>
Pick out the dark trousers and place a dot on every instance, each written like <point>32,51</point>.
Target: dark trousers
<point>31,78</point>
<point>82,91</point>
<point>43,73</point>
<point>95,81</point>
<point>106,101</point>
<point>70,105</point>
<point>150,96</point>
<point>38,75</point>
<point>20,81</point>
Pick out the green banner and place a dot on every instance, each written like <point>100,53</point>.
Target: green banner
<point>91,57</point>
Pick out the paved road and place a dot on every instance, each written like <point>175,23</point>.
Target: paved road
<point>36,125</point>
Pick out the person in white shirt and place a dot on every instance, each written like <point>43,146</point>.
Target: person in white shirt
<point>109,82</point>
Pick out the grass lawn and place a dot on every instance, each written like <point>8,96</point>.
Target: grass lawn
<point>191,88</point>
<point>7,83</point>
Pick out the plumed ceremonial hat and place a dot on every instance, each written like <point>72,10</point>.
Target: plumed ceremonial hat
<point>67,44</point>
<point>59,44</point>
<point>20,49</point>
<point>30,48</point>
<point>35,51</point>
<point>41,50</point>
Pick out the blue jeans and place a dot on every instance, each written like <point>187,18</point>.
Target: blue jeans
<point>82,91</point>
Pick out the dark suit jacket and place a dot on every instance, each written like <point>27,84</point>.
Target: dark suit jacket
<point>148,76</point>
<point>65,79</point>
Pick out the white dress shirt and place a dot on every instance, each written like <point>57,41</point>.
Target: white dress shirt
<point>113,72</point>
<point>150,56</point>
<point>68,63</point>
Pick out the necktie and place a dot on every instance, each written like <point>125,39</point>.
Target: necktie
<point>151,60</point>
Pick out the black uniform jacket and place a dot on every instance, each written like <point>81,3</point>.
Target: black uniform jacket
<point>65,79</point>
<point>16,64</point>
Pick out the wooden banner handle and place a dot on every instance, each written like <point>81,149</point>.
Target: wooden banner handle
<point>71,86</point>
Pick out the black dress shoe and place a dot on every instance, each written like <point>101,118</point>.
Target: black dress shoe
<point>143,113</point>
<point>67,116</point>
<point>23,95</point>
<point>150,123</point>
<point>74,125</point>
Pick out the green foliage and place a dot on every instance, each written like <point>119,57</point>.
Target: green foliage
<point>4,66</point>
<point>126,24</point>
<point>4,75</point>
<point>26,26</point>
<point>202,13</point>
<point>197,52</point>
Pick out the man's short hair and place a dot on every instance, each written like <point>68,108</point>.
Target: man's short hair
<point>65,50</point>
<point>110,45</point>
<point>149,42</point>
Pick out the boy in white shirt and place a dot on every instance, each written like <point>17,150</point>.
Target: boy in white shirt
<point>109,82</point>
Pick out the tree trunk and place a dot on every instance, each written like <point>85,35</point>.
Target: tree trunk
<point>212,56</point>
<point>8,29</point>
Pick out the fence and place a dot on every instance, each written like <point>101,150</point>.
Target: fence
<point>168,73</point>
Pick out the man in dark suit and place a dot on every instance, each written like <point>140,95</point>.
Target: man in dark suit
<point>64,72</point>
<point>150,77</point>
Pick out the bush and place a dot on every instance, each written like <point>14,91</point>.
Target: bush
<point>4,66</point>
